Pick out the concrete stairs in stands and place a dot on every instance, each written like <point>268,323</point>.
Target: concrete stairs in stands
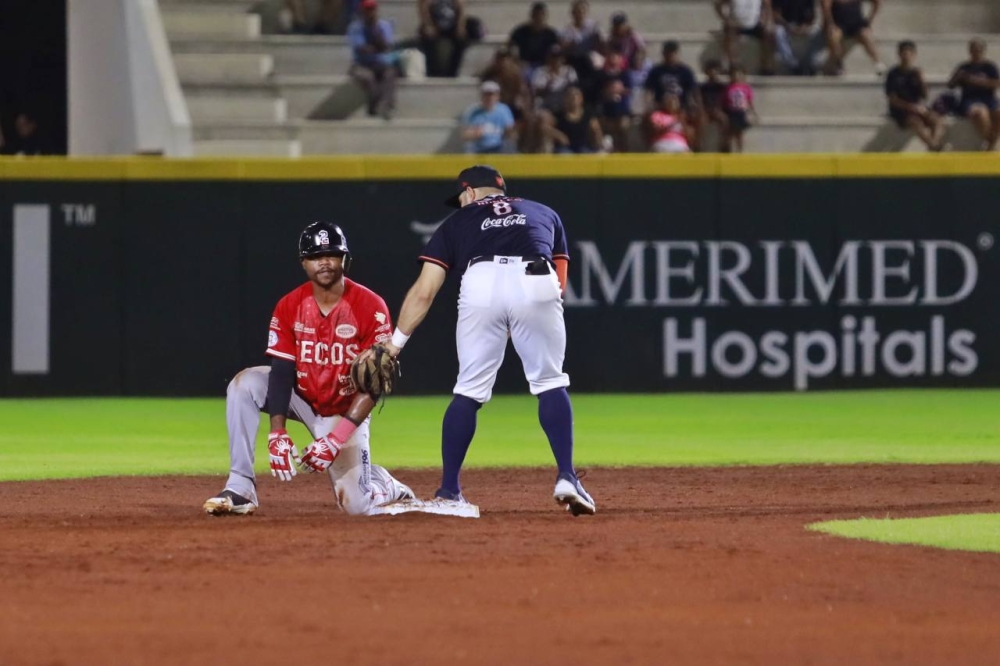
<point>253,92</point>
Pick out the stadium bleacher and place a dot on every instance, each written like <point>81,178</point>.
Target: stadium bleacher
<point>252,91</point>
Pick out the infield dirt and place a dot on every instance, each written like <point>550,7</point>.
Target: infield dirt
<point>679,566</point>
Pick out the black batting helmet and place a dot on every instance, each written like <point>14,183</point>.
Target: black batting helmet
<point>321,238</point>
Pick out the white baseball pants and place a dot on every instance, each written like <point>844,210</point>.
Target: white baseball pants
<point>498,300</point>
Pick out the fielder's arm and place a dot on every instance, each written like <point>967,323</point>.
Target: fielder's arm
<point>562,273</point>
<point>280,383</point>
<point>416,304</point>
<point>282,452</point>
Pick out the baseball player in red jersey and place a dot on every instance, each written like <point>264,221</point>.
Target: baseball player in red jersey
<point>316,332</point>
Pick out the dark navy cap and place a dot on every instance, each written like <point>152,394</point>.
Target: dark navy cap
<point>480,175</point>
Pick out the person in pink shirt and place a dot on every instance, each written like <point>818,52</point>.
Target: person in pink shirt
<point>669,129</point>
<point>739,107</point>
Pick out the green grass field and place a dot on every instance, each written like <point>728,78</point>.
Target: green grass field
<point>62,438</point>
<point>977,532</point>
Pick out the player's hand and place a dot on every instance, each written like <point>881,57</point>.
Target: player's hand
<point>368,353</point>
<point>319,455</point>
<point>283,455</point>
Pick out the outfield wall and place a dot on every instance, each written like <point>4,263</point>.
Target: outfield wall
<point>150,277</point>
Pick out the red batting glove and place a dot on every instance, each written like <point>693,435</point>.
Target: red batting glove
<point>319,455</point>
<point>284,455</point>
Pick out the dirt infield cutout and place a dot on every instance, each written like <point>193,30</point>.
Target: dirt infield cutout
<point>679,566</point>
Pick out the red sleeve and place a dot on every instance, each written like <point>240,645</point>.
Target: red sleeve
<point>376,324</point>
<point>281,334</point>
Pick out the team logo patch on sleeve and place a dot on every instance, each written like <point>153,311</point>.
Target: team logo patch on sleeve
<point>380,317</point>
<point>346,331</point>
<point>272,338</point>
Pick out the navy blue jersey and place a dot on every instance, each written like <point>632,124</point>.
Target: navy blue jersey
<point>500,226</point>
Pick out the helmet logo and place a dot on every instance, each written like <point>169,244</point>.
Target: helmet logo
<point>323,237</point>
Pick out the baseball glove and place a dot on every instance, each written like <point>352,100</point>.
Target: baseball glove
<point>375,373</point>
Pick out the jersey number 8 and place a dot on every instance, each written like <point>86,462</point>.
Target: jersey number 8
<point>502,208</point>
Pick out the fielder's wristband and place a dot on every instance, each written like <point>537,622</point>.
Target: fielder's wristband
<point>399,338</point>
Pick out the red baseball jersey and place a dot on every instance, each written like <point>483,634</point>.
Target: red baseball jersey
<point>323,347</point>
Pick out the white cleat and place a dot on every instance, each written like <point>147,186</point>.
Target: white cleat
<point>569,492</point>
<point>229,503</point>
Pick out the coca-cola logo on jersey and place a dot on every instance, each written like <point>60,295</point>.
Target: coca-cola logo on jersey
<point>508,221</point>
<point>859,279</point>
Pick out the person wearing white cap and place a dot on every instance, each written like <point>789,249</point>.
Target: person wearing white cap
<point>487,125</point>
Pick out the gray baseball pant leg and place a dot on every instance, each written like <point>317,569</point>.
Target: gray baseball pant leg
<point>358,485</point>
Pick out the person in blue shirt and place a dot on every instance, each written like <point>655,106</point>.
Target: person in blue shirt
<point>511,255</point>
<point>374,66</point>
<point>486,126</point>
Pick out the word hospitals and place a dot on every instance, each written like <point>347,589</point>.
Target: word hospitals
<point>787,275</point>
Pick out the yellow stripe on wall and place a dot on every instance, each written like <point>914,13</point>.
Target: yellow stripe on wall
<point>442,167</point>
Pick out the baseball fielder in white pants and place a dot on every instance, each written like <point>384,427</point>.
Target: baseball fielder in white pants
<point>512,255</point>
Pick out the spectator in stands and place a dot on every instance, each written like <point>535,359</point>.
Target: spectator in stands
<point>713,101</point>
<point>374,66</point>
<point>751,18</point>
<point>444,35</point>
<point>581,37</point>
<point>574,129</point>
<point>506,71</point>
<point>638,70</point>
<point>533,40</point>
<point>797,18</point>
<point>623,39</point>
<point>907,95</point>
<point>550,82</point>
<point>516,94</point>
<point>27,138</point>
<point>333,14</point>
<point>979,79</point>
<point>846,19</point>
<point>674,77</point>
<point>488,125</point>
<point>582,43</point>
<point>668,127</point>
<point>616,102</point>
<point>739,108</point>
